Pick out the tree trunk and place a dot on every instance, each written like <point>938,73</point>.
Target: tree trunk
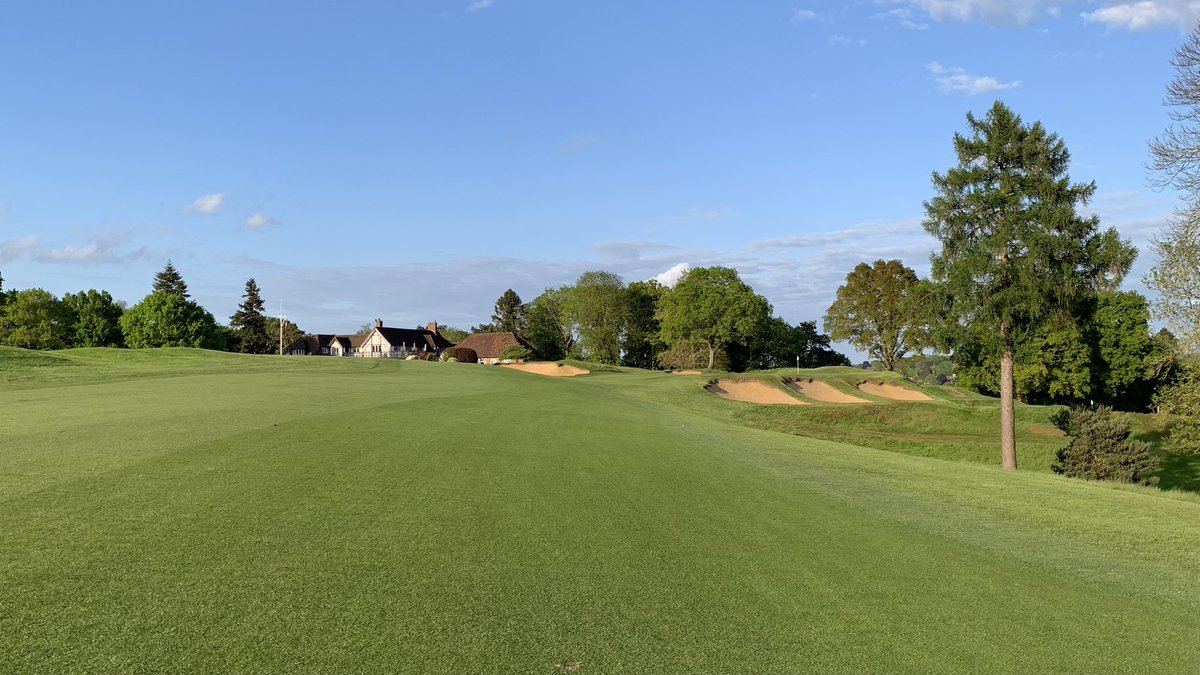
<point>1008,429</point>
<point>712,355</point>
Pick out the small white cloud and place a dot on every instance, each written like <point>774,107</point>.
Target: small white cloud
<point>66,254</point>
<point>207,204</point>
<point>843,40</point>
<point>959,81</point>
<point>260,220</point>
<point>996,12</point>
<point>672,276</point>
<point>1147,14</point>
<point>478,5</point>
<point>11,249</point>
<point>100,251</point>
<point>805,15</point>
<point>904,17</point>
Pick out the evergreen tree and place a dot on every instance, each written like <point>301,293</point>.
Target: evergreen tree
<point>250,324</point>
<point>1015,253</point>
<point>509,313</point>
<point>170,281</point>
<point>1100,448</point>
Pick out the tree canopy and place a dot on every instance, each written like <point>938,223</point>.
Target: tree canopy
<point>97,319</point>
<point>35,319</point>
<point>165,319</point>
<point>597,306</point>
<point>713,306</point>
<point>1015,252</point>
<point>880,311</point>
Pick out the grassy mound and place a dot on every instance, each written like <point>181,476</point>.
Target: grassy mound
<point>219,513</point>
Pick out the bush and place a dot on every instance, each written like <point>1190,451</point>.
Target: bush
<point>1100,448</point>
<point>460,354</point>
<point>515,353</point>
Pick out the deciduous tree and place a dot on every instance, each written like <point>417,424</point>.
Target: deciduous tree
<point>1176,163</point>
<point>714,306</point>
<point>548,327</point>
<point>164,319</point>
<point>880,311</point>
<point>1015,252</point>
<point>97,319</point>
<point>597,306</point>
<point>35,319</point>
<point>643,334</point>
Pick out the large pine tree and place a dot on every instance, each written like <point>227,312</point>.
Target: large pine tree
<point>1015,254</point>
<point>509,313</point>
<point>250,324</point>
<point>170,281</point>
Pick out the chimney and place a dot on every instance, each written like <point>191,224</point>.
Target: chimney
<point>379,323</point>
<point>432,327</point>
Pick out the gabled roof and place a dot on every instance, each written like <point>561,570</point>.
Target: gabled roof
<point>311,344</point>
<point>491,345</point>
<point>411,336</point>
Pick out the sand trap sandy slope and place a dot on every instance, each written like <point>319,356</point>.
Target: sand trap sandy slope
<point>752,391</point>
<point>822,391</point>
<point>687,372</point>
<point>548,369</point>
<point>892,391</point>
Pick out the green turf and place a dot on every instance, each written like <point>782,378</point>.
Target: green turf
<point>195,512</point>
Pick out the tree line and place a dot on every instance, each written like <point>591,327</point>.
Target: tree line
<point>167,317</point>
<point>709,319</point>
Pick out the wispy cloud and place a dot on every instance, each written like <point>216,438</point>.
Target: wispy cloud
<point>260,220</point>
<point>577,144</point>
<point>99,251</point>
<point>959,81</point>
<point>698,215</point>
<point>206,205</point>
<point>846,41</point>
<point>11,249</point>
<point>478,5</point>
<point>998,12</point>
<point>904,17</point>
<point>805,15</point>
<point>1147,14</point>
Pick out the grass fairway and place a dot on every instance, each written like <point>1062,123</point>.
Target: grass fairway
<point>178,511</point>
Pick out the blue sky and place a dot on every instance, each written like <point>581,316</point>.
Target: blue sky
<point>412,160</point>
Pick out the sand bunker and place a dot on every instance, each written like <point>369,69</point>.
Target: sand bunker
<point>752,391</point>
<point>687,372</point>
<point>892,391</point>
<point>821,391</point>
<point>548,369</point>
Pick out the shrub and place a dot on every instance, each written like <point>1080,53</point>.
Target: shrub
<point>515,353</point>
<point>460,354</point>
<point>1100,448</point>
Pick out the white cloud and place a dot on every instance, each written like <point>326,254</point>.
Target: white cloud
<point>904,17</point>
<point>260,220</point>
<point>671,276</point>
<point>805,15</point>
<point>11,249</point>
<point>208,204</point>
<point>959,81</point>
<point>103,250</point>
<point>1147,14</point>
<point>478,5</point>
<point>999,12</point>
<point>843,40</point>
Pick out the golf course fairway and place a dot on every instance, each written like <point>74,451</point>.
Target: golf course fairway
<point>187,511</point>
